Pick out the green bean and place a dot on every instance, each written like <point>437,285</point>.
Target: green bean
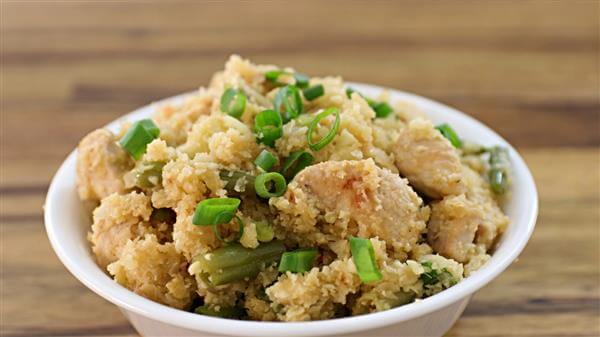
<point>498,173</point>
<point>238,182</point>
<point>235,262</point>
<point>148,174</point>
<point>223,312</point>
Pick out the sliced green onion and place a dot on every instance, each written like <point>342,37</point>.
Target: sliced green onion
<point>288,102</point>
<point>295,163</point>
<point>223,312</point>
<point>233,102</point>
<point>264,231</point>
<point>298,261</point>
<point>149,125</point>
<point>265,160</point>
<point>382,110</point>
<point>449,134</point>
<point>240,232</point>
<point>265,182</point>
<point>273,75</point>
<point>363,256</point>
<point>330,135</point>
<point>215,211</point>
<point>301,80</point>
<point>313,92</point>
<point>138,137</point>
<point>349,92</point>
<point>268,126</point>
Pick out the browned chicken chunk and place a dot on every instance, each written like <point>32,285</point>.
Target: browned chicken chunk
<point>459,223</point>
<point>101,164</point>
<point>428,160</point>
<point>331,200</point>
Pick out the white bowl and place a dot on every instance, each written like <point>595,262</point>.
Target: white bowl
<point>67,225</point>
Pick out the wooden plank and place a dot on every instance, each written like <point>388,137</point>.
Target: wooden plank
<point>502,62</point>
<point>554,282</point>
<point>529,69</point>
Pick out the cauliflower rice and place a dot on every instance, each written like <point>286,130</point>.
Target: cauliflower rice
<point>426,204</point>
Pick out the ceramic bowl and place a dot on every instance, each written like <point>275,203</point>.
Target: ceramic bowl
<point>67,225</point>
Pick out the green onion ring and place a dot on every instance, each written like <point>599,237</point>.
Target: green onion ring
<point>261,185</point>
<point>268,126</point>
<point>233,102</point>
<point>330,135</point>
<point>288,103</point>
<point>215,211</point>
<point>265,160</point>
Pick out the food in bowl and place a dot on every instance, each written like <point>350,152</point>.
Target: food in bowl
<point>273,196</point>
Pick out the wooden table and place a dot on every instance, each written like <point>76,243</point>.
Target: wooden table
<point>528,68</point>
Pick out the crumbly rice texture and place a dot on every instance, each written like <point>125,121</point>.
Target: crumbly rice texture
<point>426,207</point>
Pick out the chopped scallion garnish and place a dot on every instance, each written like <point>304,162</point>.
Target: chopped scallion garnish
<point>288,103</point>
<point>449,134</point>
<point>273,75</point>
<point>298,261</point>
<point>233,102</point>
<point>139,135</point>
<point>301,80</point>
<point>215,211</point>
<point>268,126</point>
<point>316,146</point>
<point>382,110</point>
<point>363,256</point>
<point>265,160</point>
<point>266,182</point>
<point>313,92</point>
<point>295,163</point>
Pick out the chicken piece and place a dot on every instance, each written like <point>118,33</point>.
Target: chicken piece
<point>494,221</point>
<point>156,271</point>
<point>119,218</point>
<point>459,223</point>
<point>101,164</point>
<point>452,226</point>
<point>314,295</point>
<point>428,160</point>
<point>331,200</point>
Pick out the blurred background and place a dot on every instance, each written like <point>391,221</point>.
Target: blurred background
<point>528,69</point>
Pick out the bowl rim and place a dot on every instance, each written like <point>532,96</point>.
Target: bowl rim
<point>128,300</point>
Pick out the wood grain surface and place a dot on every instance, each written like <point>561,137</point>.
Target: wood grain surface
<point>529,69</point>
